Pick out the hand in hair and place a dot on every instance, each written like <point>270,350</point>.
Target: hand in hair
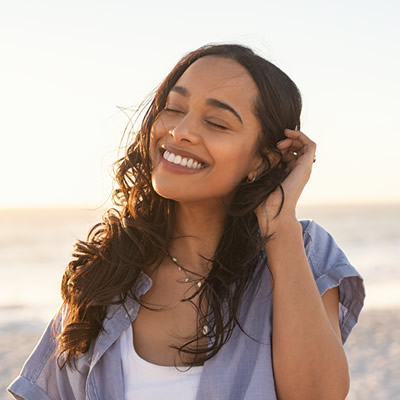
<point>298,151</point>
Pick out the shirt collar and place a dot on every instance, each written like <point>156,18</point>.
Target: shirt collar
<point>119,317</point>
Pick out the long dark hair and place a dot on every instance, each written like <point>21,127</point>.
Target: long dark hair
<point>136,233</point>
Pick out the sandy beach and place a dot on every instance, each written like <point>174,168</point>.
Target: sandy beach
<point>373,351</point>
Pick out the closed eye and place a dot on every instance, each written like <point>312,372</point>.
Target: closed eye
<point>172,110</point>
<point>217,125</point>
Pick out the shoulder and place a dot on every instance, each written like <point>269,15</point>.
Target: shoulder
<point>321,248</point>
<point>331,268</point>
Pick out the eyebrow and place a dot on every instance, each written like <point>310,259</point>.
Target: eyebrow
<point>211,102</point>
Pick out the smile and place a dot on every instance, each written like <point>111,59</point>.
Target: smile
<point>182,161</point>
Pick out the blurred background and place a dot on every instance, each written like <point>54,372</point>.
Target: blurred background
<point>71,74</point>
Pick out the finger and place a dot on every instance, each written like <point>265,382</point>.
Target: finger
<point>284,144</point>
<point>291,152</point>
<point>293,139</point>
<point>302,144</point>
<point>289,157</point>
<point>291,146</point>
<point>296,148</point>
<point>291,133</point>
<point>298,136</point>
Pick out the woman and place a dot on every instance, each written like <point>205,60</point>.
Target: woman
<point>205,284</point>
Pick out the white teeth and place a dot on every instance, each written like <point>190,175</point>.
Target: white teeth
<point>171,157</point>
<point>183,161</point>
<point>177,159</point>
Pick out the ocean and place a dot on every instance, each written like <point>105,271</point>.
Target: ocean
<point>36,245</point>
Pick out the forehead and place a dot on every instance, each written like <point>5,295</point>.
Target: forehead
<point>222,78</point>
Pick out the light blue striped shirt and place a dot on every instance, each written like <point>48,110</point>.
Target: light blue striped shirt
<point>242,369</point>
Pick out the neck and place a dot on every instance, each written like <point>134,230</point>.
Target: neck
<point>198,230</point>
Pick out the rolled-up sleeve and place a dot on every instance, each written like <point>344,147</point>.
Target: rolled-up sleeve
<point>23,388</point>
<point>37,380</point>
<point>331,268</point>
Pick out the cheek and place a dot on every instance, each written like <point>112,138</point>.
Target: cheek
<point>153,142</point>
<point>156,133</point>
<point>158,126</point>
<point>237,159</point>
<point>232,176</point>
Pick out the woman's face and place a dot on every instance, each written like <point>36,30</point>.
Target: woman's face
<point>204,142</point>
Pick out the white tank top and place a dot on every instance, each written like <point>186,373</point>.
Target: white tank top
<point>144,380</point>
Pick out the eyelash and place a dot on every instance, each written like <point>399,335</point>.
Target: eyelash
<point>217,125</point>
<point>210,123</point>
<point>171,110</point>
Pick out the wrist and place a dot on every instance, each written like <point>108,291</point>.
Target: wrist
<point>282,224</point>
<point>285,244</point>
<point>285,234</point>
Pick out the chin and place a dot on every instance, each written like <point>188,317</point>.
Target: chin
<point>165,190</point>
<point>173,188</point>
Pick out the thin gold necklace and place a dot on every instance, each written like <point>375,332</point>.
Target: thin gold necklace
<point>181,268</point>
<point>186,280</point>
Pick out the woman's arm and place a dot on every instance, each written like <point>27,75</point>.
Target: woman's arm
<point>308,357</point>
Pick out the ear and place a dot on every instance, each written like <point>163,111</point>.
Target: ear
<point>256,167</point>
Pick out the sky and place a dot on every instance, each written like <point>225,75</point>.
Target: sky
<point>69,69</point>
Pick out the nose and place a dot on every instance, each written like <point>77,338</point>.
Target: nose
<point>186,130</point>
